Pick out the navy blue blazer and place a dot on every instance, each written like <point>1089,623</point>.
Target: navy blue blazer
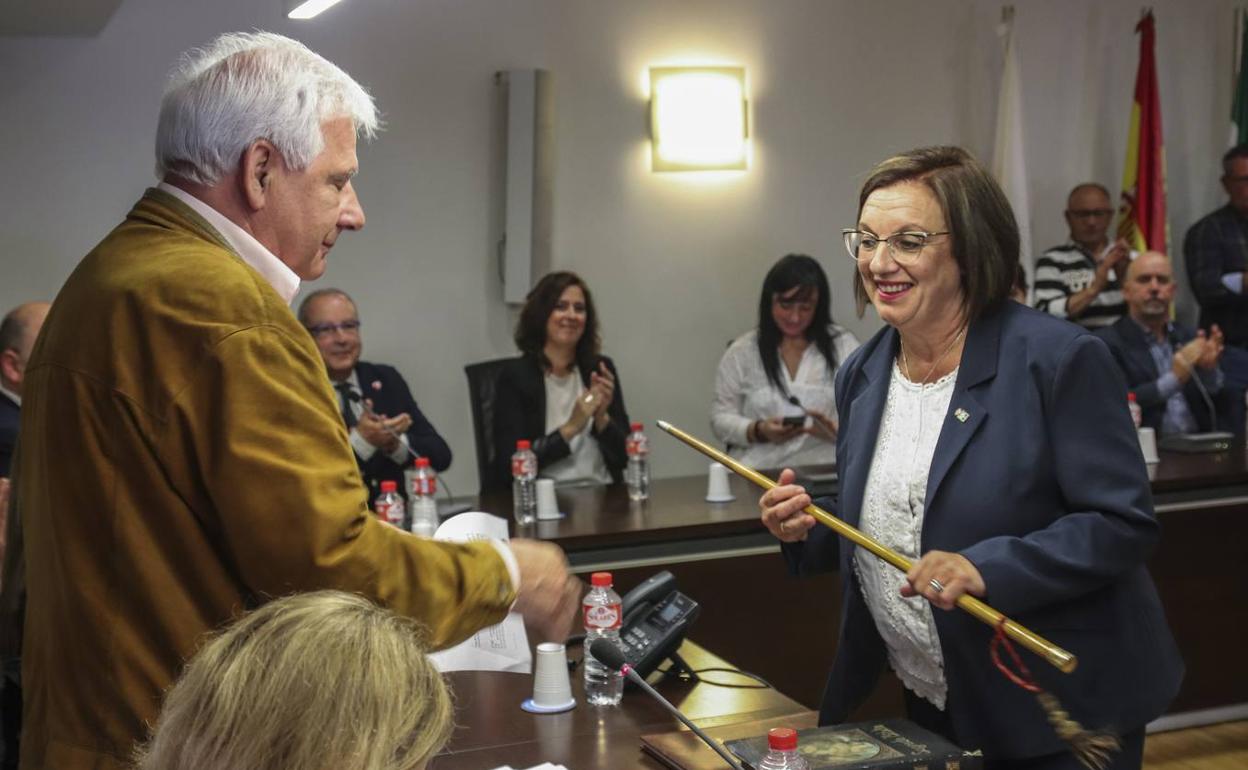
<point>1043,488</point>
<point>8,432</point>
<point>391,396</point>
<point>1130,347</point>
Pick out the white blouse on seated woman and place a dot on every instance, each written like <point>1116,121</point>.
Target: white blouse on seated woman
<point>744,395</point>
<point>585,462</point>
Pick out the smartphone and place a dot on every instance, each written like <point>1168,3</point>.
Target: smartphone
<point>795,420</point>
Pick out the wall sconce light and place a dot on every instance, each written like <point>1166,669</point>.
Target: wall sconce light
<point>306,9</point>
<point>698,118</point>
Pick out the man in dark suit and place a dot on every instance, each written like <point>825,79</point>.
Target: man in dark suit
<point>386,427</point>
<point>17,336</point>
<point>1173,370</point>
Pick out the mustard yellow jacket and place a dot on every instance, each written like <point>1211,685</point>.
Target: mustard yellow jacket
<point>182,459</point>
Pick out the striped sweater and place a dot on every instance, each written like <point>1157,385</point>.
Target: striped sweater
<point>1066,270</point>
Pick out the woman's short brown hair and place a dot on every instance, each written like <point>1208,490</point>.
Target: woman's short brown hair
<point>324,679</point>
<point>540,303</point>
<point>983,233</point>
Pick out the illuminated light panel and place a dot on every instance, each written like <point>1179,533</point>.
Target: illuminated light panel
<point>698,118</point>
<point>310,8</point>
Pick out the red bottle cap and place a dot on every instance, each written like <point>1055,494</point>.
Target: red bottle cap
<point>523,443</point>
<point>600,579</point>
<point>422,462</point>
<point>389,486</point>
<point>782,738</point>
<point>1130,396</point>
<point>636,426</point>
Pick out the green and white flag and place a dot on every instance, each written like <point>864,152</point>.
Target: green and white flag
<point>1239,99</point>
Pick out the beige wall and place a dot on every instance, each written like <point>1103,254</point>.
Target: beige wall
<point>675,261</point>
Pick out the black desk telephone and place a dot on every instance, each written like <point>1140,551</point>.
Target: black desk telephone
<point>656,618</point>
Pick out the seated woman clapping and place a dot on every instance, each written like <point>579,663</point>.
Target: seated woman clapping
<point>561,394</point>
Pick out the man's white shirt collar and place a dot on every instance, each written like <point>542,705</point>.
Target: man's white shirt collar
<point>10,395</point>
<point>279,276</point>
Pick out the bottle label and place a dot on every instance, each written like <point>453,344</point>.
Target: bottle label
<point>602,616</point>
<point>520,466</point>
<point>426,486</point>
<point>390,512</point>
<point>636,446</point>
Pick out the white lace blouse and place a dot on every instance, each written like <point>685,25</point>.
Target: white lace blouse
<point>892,513</point>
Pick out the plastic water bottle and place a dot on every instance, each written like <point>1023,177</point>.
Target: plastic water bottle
<point>782,742</point>
<point>638,473</point>
<point>1137,414</point>
<point>388,505</point>
<point>524,483</point>
<point>601,608</point>
<point>422,501</point>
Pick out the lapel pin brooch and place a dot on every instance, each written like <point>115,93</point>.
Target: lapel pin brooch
<point>962,414</point>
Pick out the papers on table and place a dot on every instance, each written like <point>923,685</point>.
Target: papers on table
<point>504,647</point>
<point>543,766</point>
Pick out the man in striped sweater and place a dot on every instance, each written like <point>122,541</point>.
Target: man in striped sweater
<point>1080,280</point>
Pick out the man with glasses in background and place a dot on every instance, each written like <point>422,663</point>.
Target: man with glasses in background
<point>385,425</point>
<point>1080,280</point>
<point>1216,253</point>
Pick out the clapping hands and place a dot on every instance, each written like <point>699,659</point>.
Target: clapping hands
<point>1204,351</point>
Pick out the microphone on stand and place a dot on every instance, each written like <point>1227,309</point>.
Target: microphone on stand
<point>611,657</point>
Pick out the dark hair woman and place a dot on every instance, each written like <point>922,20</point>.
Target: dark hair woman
<point>989,443</point>
<point>561,394</point>
<point>774,400</point>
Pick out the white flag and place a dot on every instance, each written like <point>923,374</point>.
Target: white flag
<point>1009,163</point>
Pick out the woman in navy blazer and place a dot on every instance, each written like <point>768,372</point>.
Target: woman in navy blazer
<point>990,443</point>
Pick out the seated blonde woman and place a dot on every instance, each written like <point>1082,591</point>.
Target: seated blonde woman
<point>311,681</point>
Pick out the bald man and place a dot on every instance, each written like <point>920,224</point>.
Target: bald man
<point>1173,371</point>
<point>1081,279</point>
<point>17,336</point>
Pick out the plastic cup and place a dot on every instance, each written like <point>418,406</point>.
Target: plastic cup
<point>552,687</point>
<point>1148,444</point>
<point>547,506</point>
<point>717,489</point>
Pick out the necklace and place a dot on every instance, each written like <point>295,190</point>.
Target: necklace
<point>906,363</point>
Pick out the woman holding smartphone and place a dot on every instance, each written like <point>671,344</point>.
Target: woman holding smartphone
<point>774,403</point>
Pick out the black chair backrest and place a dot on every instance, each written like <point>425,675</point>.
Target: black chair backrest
<point>482,385</point>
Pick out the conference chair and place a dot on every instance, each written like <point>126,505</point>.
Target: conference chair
<point>482,389</point>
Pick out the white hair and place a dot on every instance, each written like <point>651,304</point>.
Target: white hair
<point>248,86</point>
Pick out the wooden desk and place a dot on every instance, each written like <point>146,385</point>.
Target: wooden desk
<point>1201,501</point>
<point>493,731</point>
<point>722,556</point>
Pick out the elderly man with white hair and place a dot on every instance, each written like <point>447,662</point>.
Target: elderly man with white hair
<point>181,454</point>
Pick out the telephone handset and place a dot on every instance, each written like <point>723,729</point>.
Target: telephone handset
<point>656,618</point>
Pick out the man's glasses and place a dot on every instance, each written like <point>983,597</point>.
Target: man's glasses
<point>904,248</point>
<point>324,330</point>
<point>1090,213</point>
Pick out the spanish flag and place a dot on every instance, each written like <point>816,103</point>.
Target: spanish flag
<point>1142,213</point>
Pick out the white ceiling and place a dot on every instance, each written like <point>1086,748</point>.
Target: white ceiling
<point>73,18</point>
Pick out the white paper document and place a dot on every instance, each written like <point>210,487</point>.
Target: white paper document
<point>543,766</point>
<point>504,647</point>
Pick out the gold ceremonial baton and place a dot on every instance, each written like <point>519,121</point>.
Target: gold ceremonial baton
<point>1057,657</point>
